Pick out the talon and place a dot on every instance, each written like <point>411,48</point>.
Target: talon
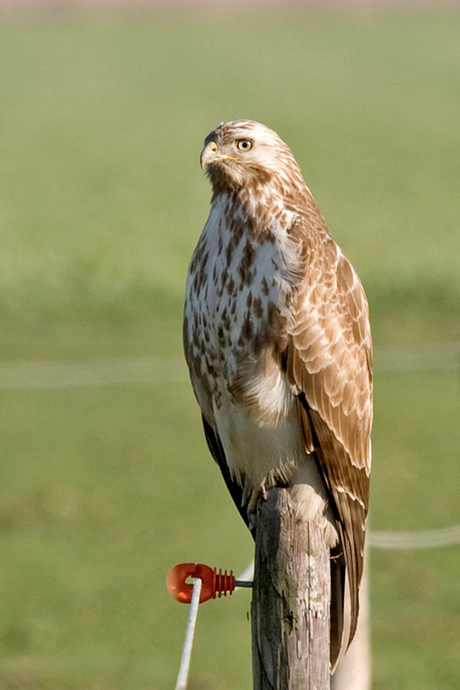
<point>256,495</point>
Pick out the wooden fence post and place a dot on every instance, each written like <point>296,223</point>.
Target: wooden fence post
<point>291,600</point>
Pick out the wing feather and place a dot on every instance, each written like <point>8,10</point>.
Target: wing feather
<point>329,360</point>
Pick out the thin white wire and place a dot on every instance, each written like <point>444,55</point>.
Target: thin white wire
<point>423,539</point>
<point>189,634</point>
<point>247,575</point>
<point>101,372</point>
<point>420,539</point>
<point>151,370</point>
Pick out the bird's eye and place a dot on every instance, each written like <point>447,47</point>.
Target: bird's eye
<point>244,145</point>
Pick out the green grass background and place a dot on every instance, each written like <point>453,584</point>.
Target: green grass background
<point>101,202</point>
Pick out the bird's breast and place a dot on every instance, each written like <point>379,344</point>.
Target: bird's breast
<point>239,291</point>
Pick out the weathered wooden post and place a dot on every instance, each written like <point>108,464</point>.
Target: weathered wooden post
<point>291,600</point>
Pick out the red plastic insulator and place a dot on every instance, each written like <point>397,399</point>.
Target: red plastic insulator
<point>213,583</point>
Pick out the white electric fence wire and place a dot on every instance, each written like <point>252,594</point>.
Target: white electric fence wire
<point>102,372</point>
<point>157,370</point>
<point>247,575</point>
<point>189,634</point>
<point>423,539</point>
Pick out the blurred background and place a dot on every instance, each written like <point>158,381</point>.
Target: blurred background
<point>106,480</point>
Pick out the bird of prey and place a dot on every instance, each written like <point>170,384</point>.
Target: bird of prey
<point>278,345</point>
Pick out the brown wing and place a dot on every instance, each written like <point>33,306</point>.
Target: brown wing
<point>329,359</point>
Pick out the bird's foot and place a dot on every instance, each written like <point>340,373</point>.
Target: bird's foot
<point>309,506</point>
<point>256,495</point>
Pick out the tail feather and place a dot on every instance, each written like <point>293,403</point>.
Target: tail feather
<point>338,569</point>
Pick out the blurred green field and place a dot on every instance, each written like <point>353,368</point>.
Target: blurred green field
<point>104,488</point>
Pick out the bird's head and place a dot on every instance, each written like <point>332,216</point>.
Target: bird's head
<point>245,153</point>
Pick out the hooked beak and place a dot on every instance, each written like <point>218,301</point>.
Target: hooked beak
<point>208,154</point>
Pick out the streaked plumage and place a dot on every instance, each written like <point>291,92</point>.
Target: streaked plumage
<point>278,344</point>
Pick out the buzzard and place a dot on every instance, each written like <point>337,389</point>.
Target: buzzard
<point>278,344</point>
